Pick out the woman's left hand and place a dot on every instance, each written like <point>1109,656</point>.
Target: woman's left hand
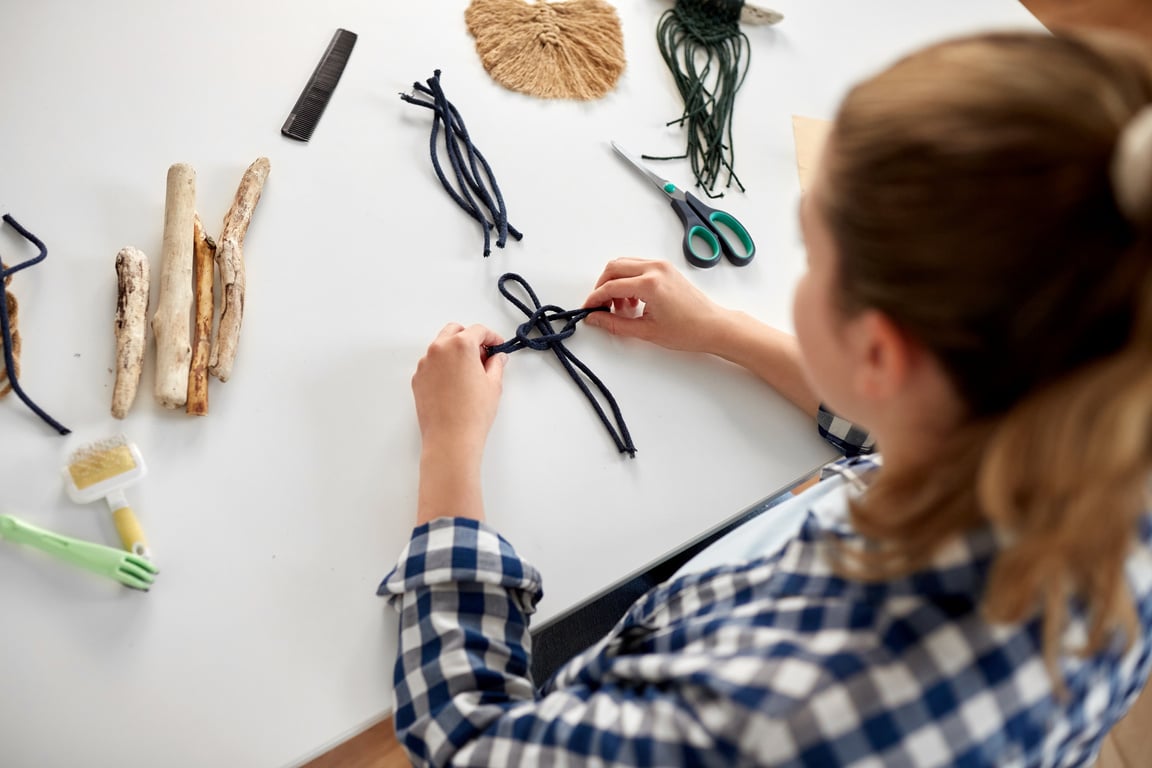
<point>457,388</point>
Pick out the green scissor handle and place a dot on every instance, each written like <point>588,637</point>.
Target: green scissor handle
<point>705,223</point>
<point>128,569</point>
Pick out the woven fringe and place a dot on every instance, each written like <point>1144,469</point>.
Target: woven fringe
<point>562,50</point>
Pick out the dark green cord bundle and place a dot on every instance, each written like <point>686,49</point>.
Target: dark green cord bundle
<point>707,54</point>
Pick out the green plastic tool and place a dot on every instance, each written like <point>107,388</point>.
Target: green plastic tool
<point>128,569</point>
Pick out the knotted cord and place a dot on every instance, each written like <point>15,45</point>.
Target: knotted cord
<point>708,32</point>
<point>540,319</point>
<point>6,330</point>
<point>467,174</point>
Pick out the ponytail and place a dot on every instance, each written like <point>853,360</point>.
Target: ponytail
<point>1065,476</point>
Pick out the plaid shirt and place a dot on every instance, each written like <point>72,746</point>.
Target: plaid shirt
<point>775,661</point>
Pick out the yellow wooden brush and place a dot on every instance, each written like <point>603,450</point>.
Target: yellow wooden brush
<point>103,470</point>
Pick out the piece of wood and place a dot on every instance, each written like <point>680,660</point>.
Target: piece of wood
<point>132,281</point>
<point>230,262</point>
<point>1129,743</point>
<point>757,16</point>
<point>13,307</point>
<point>171,325</point>
<point>203,265</point>
<point>809,133</point>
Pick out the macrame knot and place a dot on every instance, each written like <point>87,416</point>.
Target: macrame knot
<point>709,23</point>
<point>540,319</point>
<point>721,11</point>
<point>549,33</point>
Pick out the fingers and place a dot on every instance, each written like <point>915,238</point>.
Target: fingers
<point>633,279</point>
<point>458,348</point>
<point>627,267</point>
<point>631,289</point>
<point>481,336</point>
<point>486,337</point>
<point>494,367</point>
<point>476,335</point>
<point>449,330</point>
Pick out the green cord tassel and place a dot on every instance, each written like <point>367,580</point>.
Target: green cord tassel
<point>708,55</point>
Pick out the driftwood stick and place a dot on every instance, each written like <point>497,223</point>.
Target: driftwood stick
<point>758,16</point>
<point>13,309</point>
<point>172,322</point>
<point>230,261</point>
<point>132,277</point>
<point>203,264</point>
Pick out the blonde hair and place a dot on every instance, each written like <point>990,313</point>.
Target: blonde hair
<point>969,189</point>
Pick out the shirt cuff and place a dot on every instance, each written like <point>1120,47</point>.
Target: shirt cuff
<point>451,550</point>
<point>848,438</point>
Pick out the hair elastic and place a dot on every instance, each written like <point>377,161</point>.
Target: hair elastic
<point>1132,168</point>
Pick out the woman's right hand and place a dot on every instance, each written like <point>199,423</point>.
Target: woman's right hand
<point>654,301</point>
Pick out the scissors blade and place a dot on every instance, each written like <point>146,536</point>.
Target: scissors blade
<point>665,186</point>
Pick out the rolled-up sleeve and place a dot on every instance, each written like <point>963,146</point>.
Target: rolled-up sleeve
<point>464,598</point>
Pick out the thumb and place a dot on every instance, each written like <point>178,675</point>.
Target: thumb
<point>495,365</point>
<point>615,324</point>
<point>599,319</point>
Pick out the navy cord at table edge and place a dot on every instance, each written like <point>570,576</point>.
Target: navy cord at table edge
<point>6,331</point>
<point>540,319</point>
<point>455,131</point>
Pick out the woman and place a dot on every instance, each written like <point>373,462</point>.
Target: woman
<point>979,298</point>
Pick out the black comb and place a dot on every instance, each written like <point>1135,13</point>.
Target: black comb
<point>314,98</point>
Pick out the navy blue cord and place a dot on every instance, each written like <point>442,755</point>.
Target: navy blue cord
<point>456,132</point>
<point>454,125</point>
<point>503,227</point>
<point>6,331</point>
<point>540,319</point>
<point>467,173</point>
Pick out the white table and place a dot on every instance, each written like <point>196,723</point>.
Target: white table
<point>274,517</point>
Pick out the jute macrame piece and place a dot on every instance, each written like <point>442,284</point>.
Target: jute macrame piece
<point>562,50</point>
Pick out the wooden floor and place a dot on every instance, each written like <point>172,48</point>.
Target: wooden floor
<point>374,748</point>
<point>377,747</point>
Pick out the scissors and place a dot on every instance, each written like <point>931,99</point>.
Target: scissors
<point>700,223</point>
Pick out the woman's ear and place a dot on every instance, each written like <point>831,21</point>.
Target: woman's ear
<point>883,356</point>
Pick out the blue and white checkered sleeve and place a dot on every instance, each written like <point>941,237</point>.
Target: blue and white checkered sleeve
<point>848,438</point>
<point>464,598</point>
<point>464,695</point>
